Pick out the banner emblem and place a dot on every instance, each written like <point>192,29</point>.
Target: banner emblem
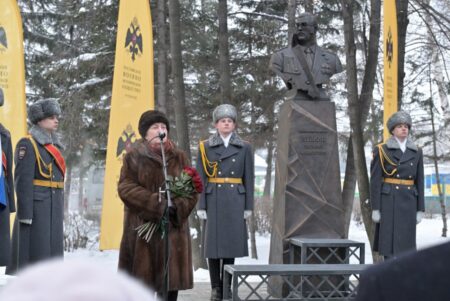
<point>3,39</point>
<point>389,48</point>
<point>133,40</point>
<point>125,141</point>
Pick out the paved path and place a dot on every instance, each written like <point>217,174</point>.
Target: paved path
<point>200,292</point>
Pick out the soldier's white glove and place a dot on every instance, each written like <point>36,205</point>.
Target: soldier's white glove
<point>247,214</point>
<point>26,221</point>
<point>201,214</point>
<point>376,216</point>
<point>419,216</point>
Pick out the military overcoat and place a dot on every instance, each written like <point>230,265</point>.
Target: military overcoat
<point>5,239</point>
<point>141,178</point>
<point>398,204</point>
<point>43,206</point>
<point>225,232</point>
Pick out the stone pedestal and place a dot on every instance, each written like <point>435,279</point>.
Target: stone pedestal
<point>307,199</point>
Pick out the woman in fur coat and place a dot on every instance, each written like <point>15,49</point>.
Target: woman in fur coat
<point>139,188</point>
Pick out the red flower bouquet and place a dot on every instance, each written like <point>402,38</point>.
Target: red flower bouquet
<point>185,185</point>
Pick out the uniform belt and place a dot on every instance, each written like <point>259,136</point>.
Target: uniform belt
<point>225,180</point>
<point>46,183</point>
<point>398,181</point>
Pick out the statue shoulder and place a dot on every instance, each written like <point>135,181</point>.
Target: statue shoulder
<point>327,52</point>
<point>332,59</point>
<point>283,51</point>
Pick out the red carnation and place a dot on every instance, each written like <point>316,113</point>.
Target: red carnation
<point>197,183</point>
<point>190,171</point>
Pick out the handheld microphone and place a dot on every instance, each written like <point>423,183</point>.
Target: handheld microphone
<point>161,135</point>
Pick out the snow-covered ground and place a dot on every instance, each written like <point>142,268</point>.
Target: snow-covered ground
<point>428,234</point>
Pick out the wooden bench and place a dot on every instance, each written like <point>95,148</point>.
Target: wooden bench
<point>319,280</point>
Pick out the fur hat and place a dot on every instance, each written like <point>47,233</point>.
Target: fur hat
<point>150,117</point>
<point>224,111</point>
<point>42,109</point>
<point>397,118</point>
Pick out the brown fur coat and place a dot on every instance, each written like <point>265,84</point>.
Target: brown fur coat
<point>140,179</point>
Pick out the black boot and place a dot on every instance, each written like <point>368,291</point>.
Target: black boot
<point>230,294</point>
<point>216,294</point>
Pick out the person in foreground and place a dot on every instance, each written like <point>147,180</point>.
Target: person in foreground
<point>73,281</point>
<point>413,276</point>
<point>39,182</point>
<point>225,163</point>
<point>140,188</point>
<point>7,203</point>
<point>397,189</point>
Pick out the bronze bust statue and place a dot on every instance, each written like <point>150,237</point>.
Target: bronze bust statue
<point>304,66</point>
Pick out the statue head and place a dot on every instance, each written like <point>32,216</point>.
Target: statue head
<point>305,30</point>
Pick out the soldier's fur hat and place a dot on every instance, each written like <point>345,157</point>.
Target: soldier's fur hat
<point>400,117</point>
<point>224,111</point>
<point>42,109</point>
<point>150,117</point>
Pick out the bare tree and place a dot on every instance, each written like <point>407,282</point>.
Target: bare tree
<point>365,99</point>
<point>292,8</point>
<point>309,6</point>
<point>435,160</point>
<point>402,25</point>
<point>162,56</point>
<point>270,150</point>
<point>224,53</point>
<point>177,76</point>
<point>358,106</point>
<point>181,114</point>
<point>435,70</point>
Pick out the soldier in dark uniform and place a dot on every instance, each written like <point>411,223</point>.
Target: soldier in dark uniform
<point>39,182</point>
<point>304,66</point>
<point>7,204</point>
<point>225,163</point>
<point>397,189</point>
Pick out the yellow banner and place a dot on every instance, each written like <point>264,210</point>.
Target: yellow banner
<point>12,71</point>
<point>132,94</point>
<point>390,39</point>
